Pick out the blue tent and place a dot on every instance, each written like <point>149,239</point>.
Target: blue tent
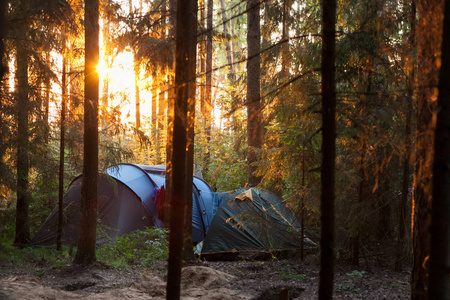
<point>126,202</point>
<point>139,177</point>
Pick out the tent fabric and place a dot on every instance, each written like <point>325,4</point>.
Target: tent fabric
<point>126,202</point>
<point>119,209</point>
<point>202,199</point>
<point>253,220</point>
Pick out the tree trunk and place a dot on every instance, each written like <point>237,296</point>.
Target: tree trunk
<point>170,118</point>
<point>355,233</point>
<point>136,68</point>
<point>253,90</point>
<point>429,36</point>
<point>188,253</point>
<point>285,37</point>
<point>107,56</point>
<point>162,92</point>
<point>327,217</point>
<point>231,79</point>
<point>186,31</point>
<point>136,90</point>
<point>23,106</point>
<point>206,104</point>
<point>155,95</point>
<point>61,150</point>
<point>209,64</point>
<point>408,149</point>
<point>302,202</point>
<point>202,54</point>
<point>88,217</point>
<point>439,283</point>
<point>3,67</point>
<point>227,43</point>
<point>405,190</point>
<point>47,88</point>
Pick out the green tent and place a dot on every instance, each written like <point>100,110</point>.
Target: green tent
<point>253,222</point>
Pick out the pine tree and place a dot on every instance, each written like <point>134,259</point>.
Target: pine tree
<point>326,275</point>
<point>254,133</point>
<point>439,282</point>
<point>88,217</point>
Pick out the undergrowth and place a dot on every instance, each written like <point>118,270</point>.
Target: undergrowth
<point>13,256</point>
<point>141,248</point>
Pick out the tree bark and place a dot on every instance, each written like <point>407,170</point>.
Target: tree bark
<point>47,88</point>
<point>188,253</point>
<point>429,36</point>
<point>439,283</point>
<point>253,90</point>
<point>136,69</point>
<point>3,67</point>
<point>405,190</point>
<point>61,149</point>
<point>23,107</point>
<point>209,64</point>
<point>285,37</point>
<point>227,43</point>
<point>88,217</point>
<point>355,234</point>
<point>202,54</point>
<point>408,149</point>
<point>170,118</point>
<point>206,104</point>
<point>327,217</point>
<point>186,31</point>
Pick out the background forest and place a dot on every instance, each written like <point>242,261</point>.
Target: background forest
<point>41,107</point>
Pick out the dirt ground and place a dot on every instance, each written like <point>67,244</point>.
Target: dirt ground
<point>260,280</point>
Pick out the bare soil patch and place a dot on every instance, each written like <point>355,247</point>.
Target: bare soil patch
<point>260,280</point>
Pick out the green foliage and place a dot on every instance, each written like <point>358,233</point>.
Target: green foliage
<point>226,171</point>
<point>287,274</point>
<point>10,255</point>
<point>143,248</point>
<point>7,230</point>
<point>351,281</point>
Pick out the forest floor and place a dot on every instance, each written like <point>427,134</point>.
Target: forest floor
<point>260,280</point>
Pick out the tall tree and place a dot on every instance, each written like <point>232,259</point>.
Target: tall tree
<point>439,283</point>
<point>327,217</point>
<point>23,108</point>
<point>408,147</point>
<point>2,36</point>
<point>429,36</point>
<point>188,254</point>
<point>62,147</point>
<point>162,103</point>
<point>206,104</point>
<point>170,116</point>
<point>254,137</point>
<point>186,31</point>
<point>88,218</point>
<point>137,71</point>
<point>202,50</point>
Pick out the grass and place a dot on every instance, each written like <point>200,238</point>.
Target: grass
<point>12,256</point>
<point>141,248</point>
<point>287,274</point>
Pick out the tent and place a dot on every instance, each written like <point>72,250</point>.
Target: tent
<point>127,200</point>
<point>252,221</point>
